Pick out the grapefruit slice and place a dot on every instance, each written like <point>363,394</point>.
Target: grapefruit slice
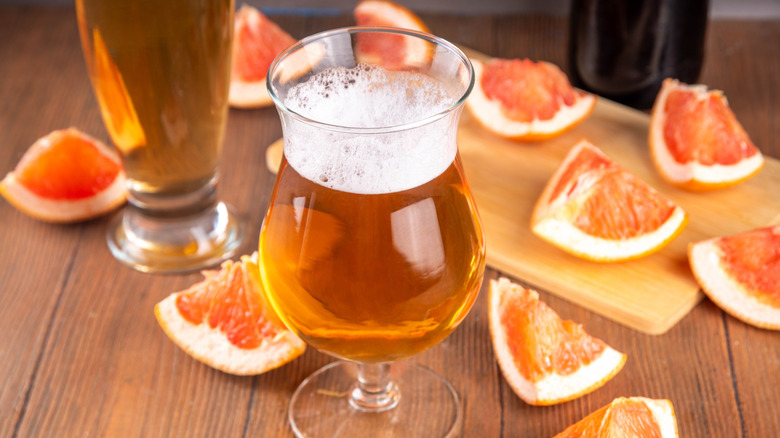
<point>741,274</point>
<point>257,41</point>
<point>595,209</point>
<point>225,322</point>
<point>635,417</point>
<point>544,359</point>
<point>525,100</point>
<point>696,141</point>
<point>66,176</point>
<point>388,50</point>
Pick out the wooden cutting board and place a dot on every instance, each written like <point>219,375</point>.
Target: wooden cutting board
<point>649,294</point>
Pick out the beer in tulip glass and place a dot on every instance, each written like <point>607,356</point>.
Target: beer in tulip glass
<point>372,249</point>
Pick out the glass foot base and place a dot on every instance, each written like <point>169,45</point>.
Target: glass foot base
<point>170,245</point>
<point>428,405</point>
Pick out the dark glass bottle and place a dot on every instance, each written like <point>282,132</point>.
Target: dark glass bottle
<point>624,49</point>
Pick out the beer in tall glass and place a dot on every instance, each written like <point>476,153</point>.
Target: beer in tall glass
<point>161,72</point>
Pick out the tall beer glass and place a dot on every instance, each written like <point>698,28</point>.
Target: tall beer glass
<point>161,71</point>
<point>372,249</point>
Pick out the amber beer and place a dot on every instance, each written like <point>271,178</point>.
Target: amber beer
<point>372,277</point>
<point>161,72</point>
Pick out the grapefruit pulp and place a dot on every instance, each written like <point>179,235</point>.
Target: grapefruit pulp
<point>257,41</point>
<point>696,141</point>
<point>525,100</point>
<point>544,359</point>
<point>741,274</point>
<point>225,322</point>
<point>635,417</point>
<point>595,209</point>
<point>66,176</point>
<point>390,51</point>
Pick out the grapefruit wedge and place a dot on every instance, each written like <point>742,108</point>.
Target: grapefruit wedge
<point>741,274</point>
<point>66,176</point>
<point>257,41</point>
<point>389,50</point>
<point>696,141</point>
<point>226,323</point>
<point>634,417</point>
<point>544,359</point>
<point>387,13</point>
<point>595,209</point>
<point>525,100</point>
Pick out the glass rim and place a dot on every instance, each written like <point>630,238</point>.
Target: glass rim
<point>364,29</point>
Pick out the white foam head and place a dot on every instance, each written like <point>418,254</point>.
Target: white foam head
<point>361,161</point>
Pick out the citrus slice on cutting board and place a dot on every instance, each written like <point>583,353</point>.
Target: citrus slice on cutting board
<point>741,274</point>
<point>66,176</point>
<point>544,359</point>
<point>257,41</point>
<point>525,100</point>
<point>388,50</point>
<point>696,141</point>
<point>595,209</point>
<point>225,321</point>
<point>633,417</point>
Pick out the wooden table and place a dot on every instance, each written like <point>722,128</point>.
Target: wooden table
<point>82,355</point>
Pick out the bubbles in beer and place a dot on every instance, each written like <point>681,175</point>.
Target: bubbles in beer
<point>370,97</point>
<point>367,96</point>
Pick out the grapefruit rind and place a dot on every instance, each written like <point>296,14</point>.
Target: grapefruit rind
<point>551,220</point>
<point>561,233</point>
<point>704,258</point>
<point>65,211</point>
<point>553,388</point>
<point>248,94</point>
<point>490,115</point>
<point>663,412</point>
<point>211,346</point>
<point>692,175</point>
<point>54,211</point>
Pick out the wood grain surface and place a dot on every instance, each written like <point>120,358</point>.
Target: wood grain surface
<point>81,354</point>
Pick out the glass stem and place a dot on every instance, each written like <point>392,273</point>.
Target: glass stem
<point>374,391</point>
